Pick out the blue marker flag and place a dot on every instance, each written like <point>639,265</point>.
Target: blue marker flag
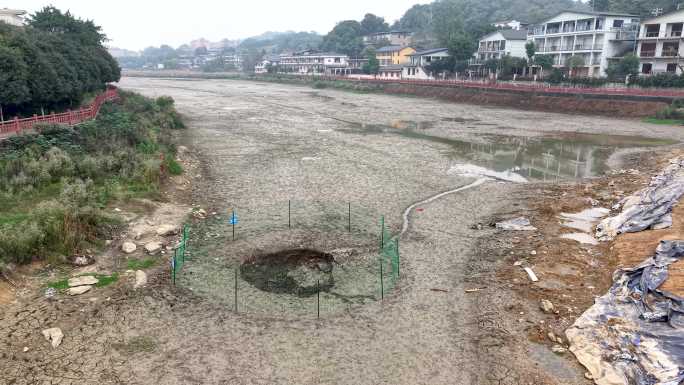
<point>233,219</point>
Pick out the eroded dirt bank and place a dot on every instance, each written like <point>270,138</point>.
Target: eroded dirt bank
<point>456,317</point>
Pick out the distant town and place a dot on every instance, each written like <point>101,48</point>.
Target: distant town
<point>576,43</point>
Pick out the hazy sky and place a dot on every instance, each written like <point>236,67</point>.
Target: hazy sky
<point>138,24</point>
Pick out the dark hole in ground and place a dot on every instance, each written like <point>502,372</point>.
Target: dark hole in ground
<point>295,271</point>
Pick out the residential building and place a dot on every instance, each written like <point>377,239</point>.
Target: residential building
<point>660,39</point>
<point>392,71</point>
<point>313,63</point>
<point>510,24</point>
<point>401,38</point>
<point>356,64</point>
<point>393,55</point>
<point>596,37</point>
<point>498,44</point>
<point>419,62</point>
<point>12,16</point>
<point>269,62</point>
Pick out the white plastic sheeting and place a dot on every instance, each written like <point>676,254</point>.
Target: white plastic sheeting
<point>650,208</point>
<point>635,333</point>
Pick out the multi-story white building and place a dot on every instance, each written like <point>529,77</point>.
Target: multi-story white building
<point>596,37</point>
<point>660,39</point>
<point>419,61</point>
<point>310,63</point>
<point>12,16</point>
<point>501,43</point>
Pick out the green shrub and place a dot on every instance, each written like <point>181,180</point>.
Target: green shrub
<point>54,184</point>
<point>173,166</point>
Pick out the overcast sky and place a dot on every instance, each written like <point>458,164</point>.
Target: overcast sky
<point>142,23</point>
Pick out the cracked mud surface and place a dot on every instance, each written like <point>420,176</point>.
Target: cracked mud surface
<point>261,145</point>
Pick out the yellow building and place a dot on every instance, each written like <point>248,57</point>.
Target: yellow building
<point>393,55</point>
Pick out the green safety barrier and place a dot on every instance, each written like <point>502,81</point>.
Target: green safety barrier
<point>389,258</point>
<point>179,254</point>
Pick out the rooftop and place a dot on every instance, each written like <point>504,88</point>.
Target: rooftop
<point>389,32</point>
<point>8,11</point>
<point>391,48</point>
<point>429,51</point>
<point>509,34</point>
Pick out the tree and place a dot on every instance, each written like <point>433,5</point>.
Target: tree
<point>545,62</point>
<point>14,75</point>
<point>574,62</point>
<point>52,63</point>
<point>600,5</point>
<point>373,65</point>
<point>372,24</point>
<point>417,19</point>
<point>345,38</point>
<point>626,66</point>
<point>530,50</point>
<point>201,51</point>
<point>52,20</point>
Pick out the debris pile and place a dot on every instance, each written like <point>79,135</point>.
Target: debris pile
<point>635,333</point>
<point>650,208</point>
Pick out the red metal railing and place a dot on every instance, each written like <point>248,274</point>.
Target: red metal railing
<point>527,87</point>
<point>68,118</point>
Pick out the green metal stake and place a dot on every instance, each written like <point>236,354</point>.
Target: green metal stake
<point>173,268</point>
<point>318,299</point>
<point>232,219</point>
<point>349,217</point>
<point>236,289</point>
<point>382,283</point>
<point>382,234</point>
<point>289,214</point>
<point>398,258</point>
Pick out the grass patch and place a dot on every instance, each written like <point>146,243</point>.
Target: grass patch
<point>141,344</point>
<point>103,281</point>
<point>668,122</point>
<point>174,167</point>
<point>137,264</point>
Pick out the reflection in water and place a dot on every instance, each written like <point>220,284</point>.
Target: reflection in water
<point>566,156</point>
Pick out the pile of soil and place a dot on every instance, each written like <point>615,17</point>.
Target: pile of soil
<point>301,272</point>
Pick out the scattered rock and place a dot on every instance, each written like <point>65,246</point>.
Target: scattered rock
<point>50,292</point>
<point>153,247</point>
<point>85,280</point>
<point>546,306</point>
<point>140,279</point>
<point>117,210</point>
<point>54,335</point>
<point>559,349</point>
<point>128,247</point>
<point>182,150</point>
<point>588,376</point>
<point>26,349</point>
<point>552,337</point>
<point>81,260</point>
<point>199,214</point>
<point>166,230</point>
<point>79,290</point>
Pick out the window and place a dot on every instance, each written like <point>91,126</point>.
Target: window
<point>337,60</point>
<point>670,49</point>
<point>672,67</point>
<point>618,23</point>
<point>646,68</point>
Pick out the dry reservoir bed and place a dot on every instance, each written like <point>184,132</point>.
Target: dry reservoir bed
<point>264,145</point>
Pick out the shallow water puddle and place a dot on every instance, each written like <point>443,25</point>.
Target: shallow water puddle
<point>548,158</point>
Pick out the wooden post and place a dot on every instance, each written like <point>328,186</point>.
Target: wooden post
<point>17,128</point>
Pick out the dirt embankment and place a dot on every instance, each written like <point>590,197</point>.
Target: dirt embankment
<point>584,104</point>
<point>605,105</point>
